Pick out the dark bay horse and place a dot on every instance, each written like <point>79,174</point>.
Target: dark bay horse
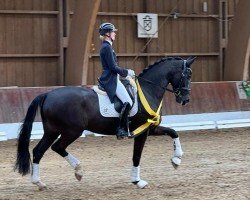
<point>68,111</point>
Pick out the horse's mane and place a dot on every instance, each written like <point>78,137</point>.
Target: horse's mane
<point>158,62</point>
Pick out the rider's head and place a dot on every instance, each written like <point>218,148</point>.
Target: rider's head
<point>107,31</point>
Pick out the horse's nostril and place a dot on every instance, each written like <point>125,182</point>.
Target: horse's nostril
<point>185,102</point>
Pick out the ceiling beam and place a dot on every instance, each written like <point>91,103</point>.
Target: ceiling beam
<point>80,38</point>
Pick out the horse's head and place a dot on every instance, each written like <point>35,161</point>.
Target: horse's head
<point>156,77</point>
<point>181,79</point>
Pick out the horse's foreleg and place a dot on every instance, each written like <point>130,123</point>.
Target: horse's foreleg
<point>135,173</point>
<point>60,147</point>
<point>176,159</point>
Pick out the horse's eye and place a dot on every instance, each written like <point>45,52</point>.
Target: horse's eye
<point>189,71</point>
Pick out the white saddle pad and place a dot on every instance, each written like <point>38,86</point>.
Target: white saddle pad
<point>107,108</point>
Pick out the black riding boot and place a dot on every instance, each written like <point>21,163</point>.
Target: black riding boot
<point>123,129</point>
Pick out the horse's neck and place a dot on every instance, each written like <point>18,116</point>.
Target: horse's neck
<point>153,92</point>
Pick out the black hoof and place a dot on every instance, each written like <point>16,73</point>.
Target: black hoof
<point>174,165</point>
<point>120,137</point>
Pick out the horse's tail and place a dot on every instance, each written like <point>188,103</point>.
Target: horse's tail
<point>23,161</point>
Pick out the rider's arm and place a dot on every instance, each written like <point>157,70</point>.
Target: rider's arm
<point>112,64</point>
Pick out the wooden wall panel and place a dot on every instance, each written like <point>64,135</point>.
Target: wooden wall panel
<point>26,35</point>
<point>232,6</point>
<point>202,33</point>
<point>29,43</point>
<point>129,6</point>
<point>194,31</point>
<point>28,72</point>
<point>186,35</point>
<point>182,35</point>
<point>45,5</point>
<point>182,6</point>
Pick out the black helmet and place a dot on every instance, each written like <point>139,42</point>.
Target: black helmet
<point>106,27</point>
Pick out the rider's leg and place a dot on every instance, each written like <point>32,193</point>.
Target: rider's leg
<point>123,95</point>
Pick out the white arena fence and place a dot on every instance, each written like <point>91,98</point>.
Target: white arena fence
<point>178,122</point>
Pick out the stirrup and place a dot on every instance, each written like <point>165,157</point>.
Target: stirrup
<point>121,133</point>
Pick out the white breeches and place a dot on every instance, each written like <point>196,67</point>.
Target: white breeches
<point>122,93</point>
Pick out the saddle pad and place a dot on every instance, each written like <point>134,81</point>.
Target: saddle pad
<point>107,108</point>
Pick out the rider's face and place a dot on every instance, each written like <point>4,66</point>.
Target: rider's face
<point>112,35</point>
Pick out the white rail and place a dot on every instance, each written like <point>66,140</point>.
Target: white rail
<point>194,122</point>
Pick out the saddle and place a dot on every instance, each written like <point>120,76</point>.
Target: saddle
<point>130,86</point>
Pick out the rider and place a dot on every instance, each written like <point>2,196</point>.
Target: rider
<point>109,79</point>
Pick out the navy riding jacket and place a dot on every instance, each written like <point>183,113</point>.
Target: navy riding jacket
<point>108,79</point>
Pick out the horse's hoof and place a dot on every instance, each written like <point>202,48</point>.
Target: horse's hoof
<point>78,172</point>
<point>146,187</point>
<point>119,137</point>
<point>176,161</point>
<point>142,184</point>
<point>78,176</point>
<point>41,186</point>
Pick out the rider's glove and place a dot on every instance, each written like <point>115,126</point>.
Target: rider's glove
<point>131,72</point>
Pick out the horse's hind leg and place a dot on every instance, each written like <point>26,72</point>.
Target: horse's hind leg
<point>38,153</point>
<point>60,147</point>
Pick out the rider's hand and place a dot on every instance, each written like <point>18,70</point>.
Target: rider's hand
<point>131,72</point>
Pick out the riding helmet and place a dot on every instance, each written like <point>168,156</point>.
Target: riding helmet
<point>106,27</point>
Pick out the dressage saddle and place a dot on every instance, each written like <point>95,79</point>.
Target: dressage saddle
<point>118,105</point>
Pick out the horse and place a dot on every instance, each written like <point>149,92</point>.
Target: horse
<point>68,111</point>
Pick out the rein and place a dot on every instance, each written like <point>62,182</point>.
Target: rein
<point>152,83</point>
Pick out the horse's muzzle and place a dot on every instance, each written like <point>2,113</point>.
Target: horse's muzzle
<point>183,100</point>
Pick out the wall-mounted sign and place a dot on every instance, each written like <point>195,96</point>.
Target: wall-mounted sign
<point>147,25</point>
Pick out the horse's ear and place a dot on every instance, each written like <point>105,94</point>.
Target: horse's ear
<point>190,60</point>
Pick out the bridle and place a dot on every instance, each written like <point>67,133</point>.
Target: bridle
<point>185,72</point>
<point>177,92</point>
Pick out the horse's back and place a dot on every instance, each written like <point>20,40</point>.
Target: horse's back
<point>62,95</point>
<point>70,90</point>
<point>68,105</point>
